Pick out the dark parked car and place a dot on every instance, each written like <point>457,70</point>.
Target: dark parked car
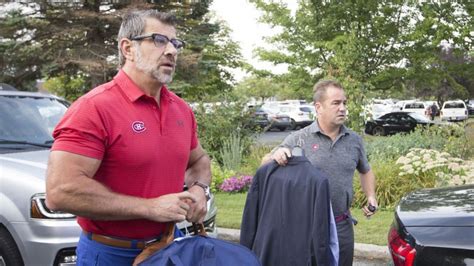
<point>268,120</point>
<point>396,122</point>
<point>434,227</point>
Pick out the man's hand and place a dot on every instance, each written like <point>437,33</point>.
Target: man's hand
<point>171,207</point>
<point>371,201</point>
<point>198,208</point>
<point>281,156</point>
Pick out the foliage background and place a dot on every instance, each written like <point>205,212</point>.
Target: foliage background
<point>73,46</point>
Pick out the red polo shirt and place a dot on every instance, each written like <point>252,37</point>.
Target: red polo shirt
<point>144,147</point>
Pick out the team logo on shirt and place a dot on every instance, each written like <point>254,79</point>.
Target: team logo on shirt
<point>315,147</point>
<point>138,126</point>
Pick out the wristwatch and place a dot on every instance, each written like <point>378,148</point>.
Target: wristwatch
<point>207,191</point>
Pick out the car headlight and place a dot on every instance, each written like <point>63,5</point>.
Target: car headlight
<point>39,210</point>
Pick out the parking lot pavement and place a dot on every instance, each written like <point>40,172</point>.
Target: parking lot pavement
<point>272,138</point>
<point>365,254</point>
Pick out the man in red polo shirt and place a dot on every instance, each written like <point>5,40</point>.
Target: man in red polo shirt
<point>123,151</point>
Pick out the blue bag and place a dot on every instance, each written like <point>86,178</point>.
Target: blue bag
<point>201,250</point>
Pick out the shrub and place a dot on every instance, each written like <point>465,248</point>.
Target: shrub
<point>219,124</point>
<point>451,139</point>
<point>445,169</point>
<point>390,187</point>
<point>69,87</point>
<point>231,152</point>
<point>252,161</point>
<point>219,175</point>
<point>419,168</point>
<point>236,184</point>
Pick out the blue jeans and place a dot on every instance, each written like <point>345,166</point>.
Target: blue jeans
<point>92,253</point>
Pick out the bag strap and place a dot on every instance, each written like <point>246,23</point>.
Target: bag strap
<point>199,229</point>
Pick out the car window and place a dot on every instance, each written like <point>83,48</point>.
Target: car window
<point>405,118</point>
<point>390,118</point>
<point>419,117</point>
<point>30,119</point>
<point>414,106</point>
<point>453,105</point>
<point>285,109</point>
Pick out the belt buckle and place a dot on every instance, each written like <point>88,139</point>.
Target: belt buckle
<point>149,242</point>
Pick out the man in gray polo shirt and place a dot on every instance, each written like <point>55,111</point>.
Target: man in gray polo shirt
<point>337,151</point>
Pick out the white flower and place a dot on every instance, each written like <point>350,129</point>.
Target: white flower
<point>454,167</point>
<point>403,160</point>
<point>427,157</point>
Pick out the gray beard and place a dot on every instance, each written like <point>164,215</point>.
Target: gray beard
<point>153,72</point>
<point>161,77</point>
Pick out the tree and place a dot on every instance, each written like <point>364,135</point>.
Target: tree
<point>441,59</point>
<point>260,88</point>
<point>64,41</point>
<point>370,46</point>
<point>204,68</point>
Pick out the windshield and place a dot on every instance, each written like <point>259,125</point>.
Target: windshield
<point>28,119</point>
<point>419,117</point>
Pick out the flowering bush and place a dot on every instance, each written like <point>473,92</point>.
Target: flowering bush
<point>436,166</point>
<point>219,174</point>
<point>236,184</point>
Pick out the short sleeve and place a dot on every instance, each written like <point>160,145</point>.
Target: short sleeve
<point>288,142</point>
<point>363,165</point>
<point>81,130</point>
<point>194,136</point>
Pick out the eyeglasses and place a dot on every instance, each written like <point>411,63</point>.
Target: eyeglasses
<point>161,40</point>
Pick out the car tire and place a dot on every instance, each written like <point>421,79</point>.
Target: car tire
<point>292,124</point>
<point>9,252</point>
<point>378,131</point>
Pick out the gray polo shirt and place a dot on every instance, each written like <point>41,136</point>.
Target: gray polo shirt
<point>338,159</point>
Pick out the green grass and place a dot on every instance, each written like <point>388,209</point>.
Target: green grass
<point>373,230</point>
<point>229,209</point>
<point>369,231</point>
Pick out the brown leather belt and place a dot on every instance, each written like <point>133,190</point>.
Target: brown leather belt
<point>118,242</point>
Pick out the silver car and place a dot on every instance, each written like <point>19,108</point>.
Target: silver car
<point>30,233</point>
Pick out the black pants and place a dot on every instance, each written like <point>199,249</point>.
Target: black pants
<point>345,236</point>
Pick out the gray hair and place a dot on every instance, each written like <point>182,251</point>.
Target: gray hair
<point>134,22</point>
<point>321,87</point>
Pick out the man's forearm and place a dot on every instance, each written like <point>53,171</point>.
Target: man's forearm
<point>367,182</point>
<point>89,198</point>
<point>199,171</point>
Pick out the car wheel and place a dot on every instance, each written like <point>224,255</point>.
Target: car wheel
<point>378,131</point>
<point>292,124</point>
<point>9,253</point>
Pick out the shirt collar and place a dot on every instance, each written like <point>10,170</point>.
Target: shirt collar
<point>132,91</point>
<point>314,128</point>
